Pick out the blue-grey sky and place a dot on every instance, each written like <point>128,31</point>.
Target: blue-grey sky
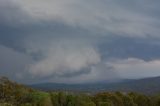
<point>79,41</point>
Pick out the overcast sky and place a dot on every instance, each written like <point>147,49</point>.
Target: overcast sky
<point>79,41</point>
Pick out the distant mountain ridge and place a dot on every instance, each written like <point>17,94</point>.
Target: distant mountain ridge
<point>146,85</point>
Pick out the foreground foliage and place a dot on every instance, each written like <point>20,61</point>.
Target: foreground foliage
<point>12,94</point>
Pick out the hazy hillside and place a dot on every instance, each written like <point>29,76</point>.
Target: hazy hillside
<point>147,86</point>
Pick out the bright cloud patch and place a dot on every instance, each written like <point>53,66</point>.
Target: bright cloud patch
<point>65,58</point>
<point>136,68</point>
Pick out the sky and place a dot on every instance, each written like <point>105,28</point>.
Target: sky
<point>79,41</point>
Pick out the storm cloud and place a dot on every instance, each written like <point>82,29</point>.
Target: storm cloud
<point>79,41</point>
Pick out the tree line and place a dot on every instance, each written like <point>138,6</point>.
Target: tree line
<point>13,94</point>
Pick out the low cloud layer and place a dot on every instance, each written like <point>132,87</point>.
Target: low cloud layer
<point>79,41</point>
<point>133,68</point>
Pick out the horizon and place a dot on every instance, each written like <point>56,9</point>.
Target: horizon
<point>79,41</point>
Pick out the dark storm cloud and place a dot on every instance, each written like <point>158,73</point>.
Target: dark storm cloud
<point>13,63</point>
<point>77,41</point>
<point>125,47</point>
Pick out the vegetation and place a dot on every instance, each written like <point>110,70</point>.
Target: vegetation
<point>12,94</point>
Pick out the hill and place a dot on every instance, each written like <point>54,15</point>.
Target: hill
<point>146,86</point>
<point>13,94</point>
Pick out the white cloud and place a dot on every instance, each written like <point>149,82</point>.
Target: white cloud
<point>65,57</point>
<point>98,73</point>
<point>132,68</point>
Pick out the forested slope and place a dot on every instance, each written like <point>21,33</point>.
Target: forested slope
<point>13,94</point>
